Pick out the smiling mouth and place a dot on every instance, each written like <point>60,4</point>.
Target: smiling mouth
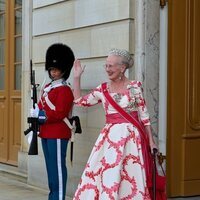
<point>110,73</point>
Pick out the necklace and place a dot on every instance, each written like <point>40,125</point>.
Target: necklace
<point>117,87</point>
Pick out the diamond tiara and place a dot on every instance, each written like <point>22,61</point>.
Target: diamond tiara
<point>123,53</point>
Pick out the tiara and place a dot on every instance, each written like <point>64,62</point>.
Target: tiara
<point>120,52</point>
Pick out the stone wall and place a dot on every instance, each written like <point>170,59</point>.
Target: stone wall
<point>91,28</point>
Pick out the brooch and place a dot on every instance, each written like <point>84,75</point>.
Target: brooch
<point>117,97</point>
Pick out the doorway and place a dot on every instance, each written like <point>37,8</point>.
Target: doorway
<point>183,134</point>
<point>10,80</point>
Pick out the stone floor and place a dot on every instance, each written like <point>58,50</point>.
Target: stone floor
<point>15,188</point>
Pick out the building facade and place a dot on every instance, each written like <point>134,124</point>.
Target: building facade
<point>155,32</point>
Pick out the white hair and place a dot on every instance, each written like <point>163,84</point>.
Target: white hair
<point>127,58</point>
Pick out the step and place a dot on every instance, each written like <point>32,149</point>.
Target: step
<point>13,172</point>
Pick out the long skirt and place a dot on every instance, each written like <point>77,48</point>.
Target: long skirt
<point>115,168</point>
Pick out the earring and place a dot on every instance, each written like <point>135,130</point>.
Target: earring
<point>121,76</point>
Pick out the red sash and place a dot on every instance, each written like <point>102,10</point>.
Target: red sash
<point>158,191</point>
<point>144,139</point>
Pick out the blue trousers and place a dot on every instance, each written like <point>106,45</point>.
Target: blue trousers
<point>55,158</point>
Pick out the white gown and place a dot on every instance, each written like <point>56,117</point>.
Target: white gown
<point>115,169</point>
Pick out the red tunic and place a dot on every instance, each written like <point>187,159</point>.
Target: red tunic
<point>54,127</point>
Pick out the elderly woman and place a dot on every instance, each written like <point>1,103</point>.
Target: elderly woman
<point>117,166</point>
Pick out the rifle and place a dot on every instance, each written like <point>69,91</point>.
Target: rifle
<point>33,122</point>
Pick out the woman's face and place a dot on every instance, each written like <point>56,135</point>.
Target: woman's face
<point>55,73</point>
<point>114,67</point>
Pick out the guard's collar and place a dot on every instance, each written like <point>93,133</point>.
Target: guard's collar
<point>59,81</point>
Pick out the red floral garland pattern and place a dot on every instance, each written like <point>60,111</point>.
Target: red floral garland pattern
<point>95,183</point>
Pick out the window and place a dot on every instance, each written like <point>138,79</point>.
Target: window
<point>11,43</point>
<point>18,44</point>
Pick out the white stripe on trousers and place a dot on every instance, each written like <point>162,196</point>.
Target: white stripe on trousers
<point>60,180</point>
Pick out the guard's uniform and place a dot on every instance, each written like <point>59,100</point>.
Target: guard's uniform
<point>55,106</point>
<point>56,101</point>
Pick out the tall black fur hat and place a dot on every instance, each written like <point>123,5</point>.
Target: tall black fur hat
<point>60,56</point>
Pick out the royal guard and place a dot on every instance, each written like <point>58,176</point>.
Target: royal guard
<point>52,111</point>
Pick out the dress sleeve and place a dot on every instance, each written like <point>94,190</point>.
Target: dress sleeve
<point>89,99</point>
<point>140,103</point>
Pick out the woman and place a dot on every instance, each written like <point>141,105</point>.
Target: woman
<point>116,169</point>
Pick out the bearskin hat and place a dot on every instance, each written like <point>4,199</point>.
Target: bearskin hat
<point>60,56</point>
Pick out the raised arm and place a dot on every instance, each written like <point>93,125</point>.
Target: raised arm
<point>78,70</point>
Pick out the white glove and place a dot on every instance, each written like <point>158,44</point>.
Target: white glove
<point>34,111</point>
<point>29,137</point>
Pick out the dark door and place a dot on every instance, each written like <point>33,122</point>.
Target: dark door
<point>183,134</point>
